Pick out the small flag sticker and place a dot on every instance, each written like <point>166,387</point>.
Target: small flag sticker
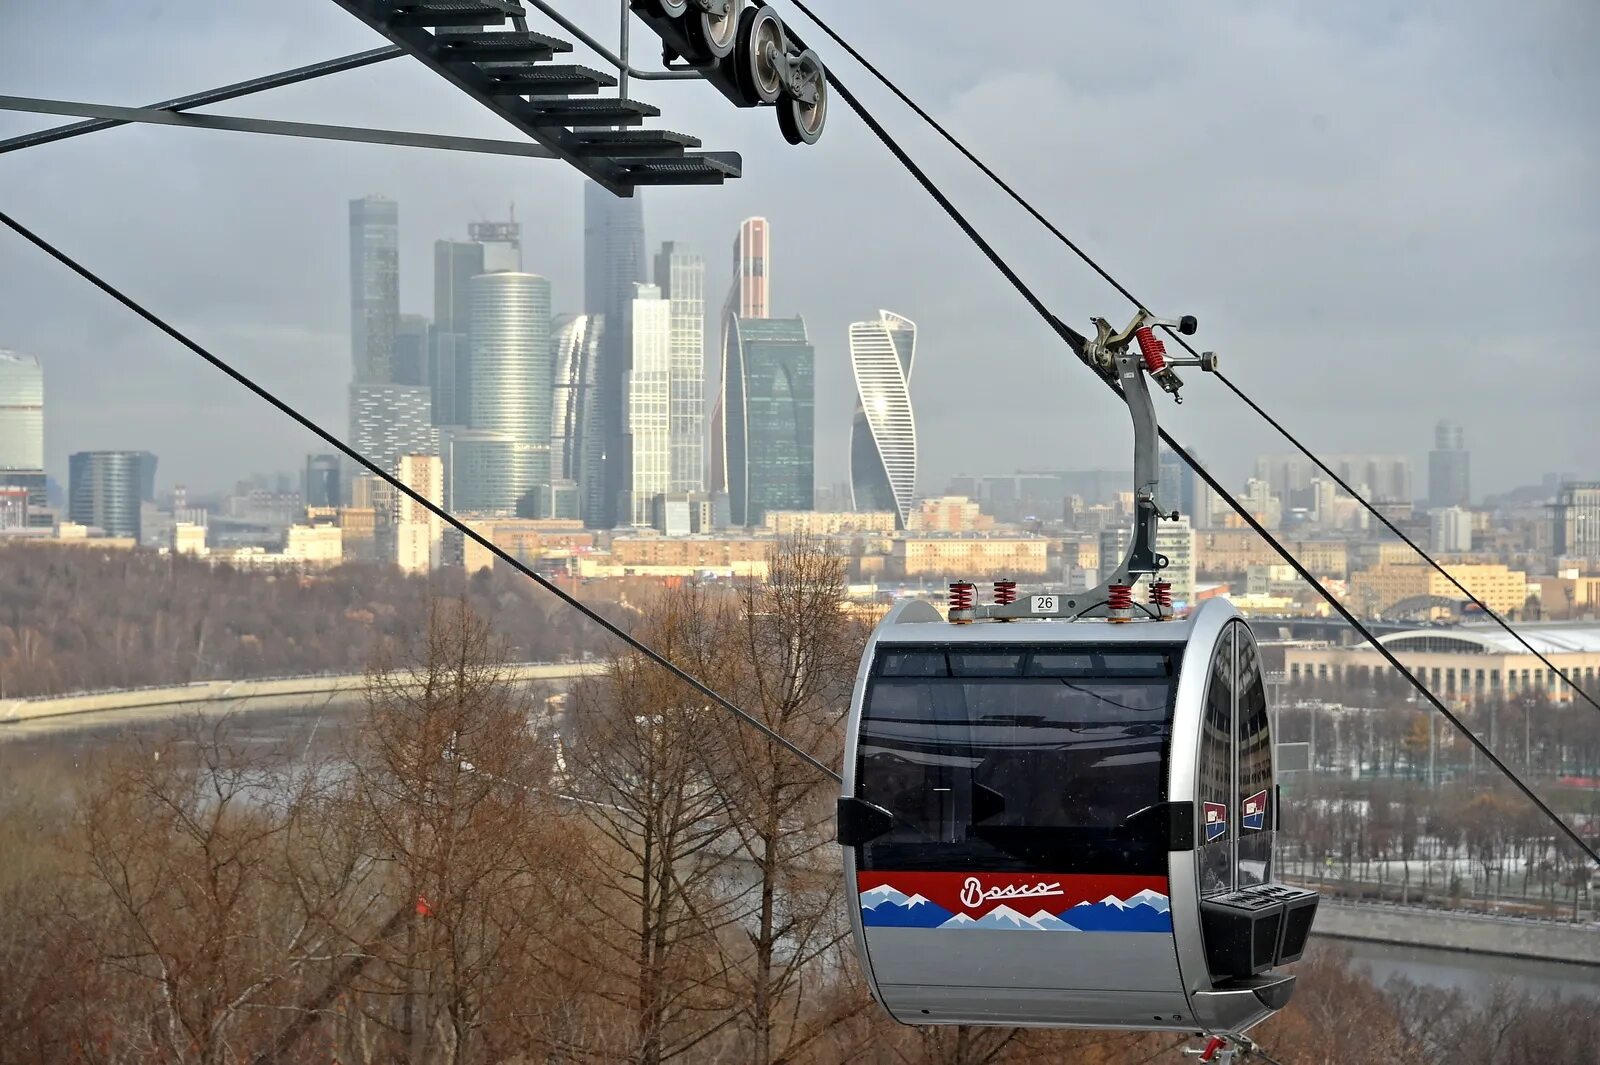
<point>1254,817</point>
<point>1216,821</point>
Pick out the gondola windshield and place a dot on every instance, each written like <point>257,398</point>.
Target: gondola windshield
<point>1018,758</point>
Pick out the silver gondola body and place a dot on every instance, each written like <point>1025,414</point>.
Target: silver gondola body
<point>966,913</point>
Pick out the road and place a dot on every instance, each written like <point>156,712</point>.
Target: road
<point>20,718</point>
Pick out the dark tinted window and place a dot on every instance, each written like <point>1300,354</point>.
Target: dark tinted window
<point>1214,789</point>
<point>981,664</point>
<point>1021,771</point>
<point>1255,797</point>
<point>913,664</point>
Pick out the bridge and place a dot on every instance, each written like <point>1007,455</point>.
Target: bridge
<point>80,710</point>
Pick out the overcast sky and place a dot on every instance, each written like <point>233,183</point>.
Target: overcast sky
<point>1382,213</point>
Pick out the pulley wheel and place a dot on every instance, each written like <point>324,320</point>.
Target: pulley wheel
<point>669,8</point>
<point>800,121</point>
<point>760,80</point>
<point>711,36</point>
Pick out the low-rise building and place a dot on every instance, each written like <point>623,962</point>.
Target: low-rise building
<point>829,522</point>
<point>1467,662</point>
<point>1406,588</point>
<point>974,558</point>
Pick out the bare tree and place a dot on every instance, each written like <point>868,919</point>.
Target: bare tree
<point>640,767</point>
<point>449,788</point>
<point>797,648</point>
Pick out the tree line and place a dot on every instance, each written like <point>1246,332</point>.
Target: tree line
<point>76,619</point>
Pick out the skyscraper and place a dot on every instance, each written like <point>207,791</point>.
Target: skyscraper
<point>681,276</point>
<point>613,262</point>
<point>749,296</point>
<point>1180,488</point>
<point>1575,520</point>
<point>387,421</point>
<point>21,412</point>
<point>511,372</point>
<point>455,264</point>
<point>320,487</point>
<point>103,490</point>
<point>769,406</point>
<point>22,429</point>
<point>883,436</point>
<point>374,287</point>
<point>1449,468</point>
<point>409,366</point>
<point>649,425</point>
<point>576,444</point>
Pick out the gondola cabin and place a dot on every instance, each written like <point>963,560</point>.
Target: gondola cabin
<point>1067,823</point>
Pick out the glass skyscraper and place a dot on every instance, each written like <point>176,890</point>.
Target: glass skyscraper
<point>749,296</point>
<point>1449,468</point>
<point>613,263</point>
<point>103,490</point>
<point>681,276</point>
<point>769,427</point>
<point>883,436</point>
<point>577,445</point>
<point>511,370</point>
<point>21,412</point>
<point>374,287</point>
<point>648,426</point>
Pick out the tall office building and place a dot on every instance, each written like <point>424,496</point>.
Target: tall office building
<point>320,483</point>
<point>1575,520</point>
<point>374,287</point>
<point>681,276</point>
<point>22,428</point>
<point>409,365</point>
<point>387,421</point>
<point>1180,487</point>
<point>103,490</point>
<point>769,403</point>
<point>613,263</point>
<point>883,436</point>
<point>649,424</point>
<point>577,444</point>
<point>749,296</point>
<point>1449,468</point>
<point>511,372</point>
<point>455,264</point>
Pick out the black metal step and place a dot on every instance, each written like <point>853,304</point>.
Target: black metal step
<point>437,13</point>
<point>585,111</point>
<point>549,80</point>
<point>710,168</point>
<point>630,144</point>
<point>498,47</point>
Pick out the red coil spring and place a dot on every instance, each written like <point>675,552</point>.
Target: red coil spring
<point>1161,593</point>
<point>1005,592</point>
<point>1152,348</point>
<point>960,596</point>
<point>1120,597</point>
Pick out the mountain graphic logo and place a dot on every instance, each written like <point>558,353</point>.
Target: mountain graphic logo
<point>887,907</point>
